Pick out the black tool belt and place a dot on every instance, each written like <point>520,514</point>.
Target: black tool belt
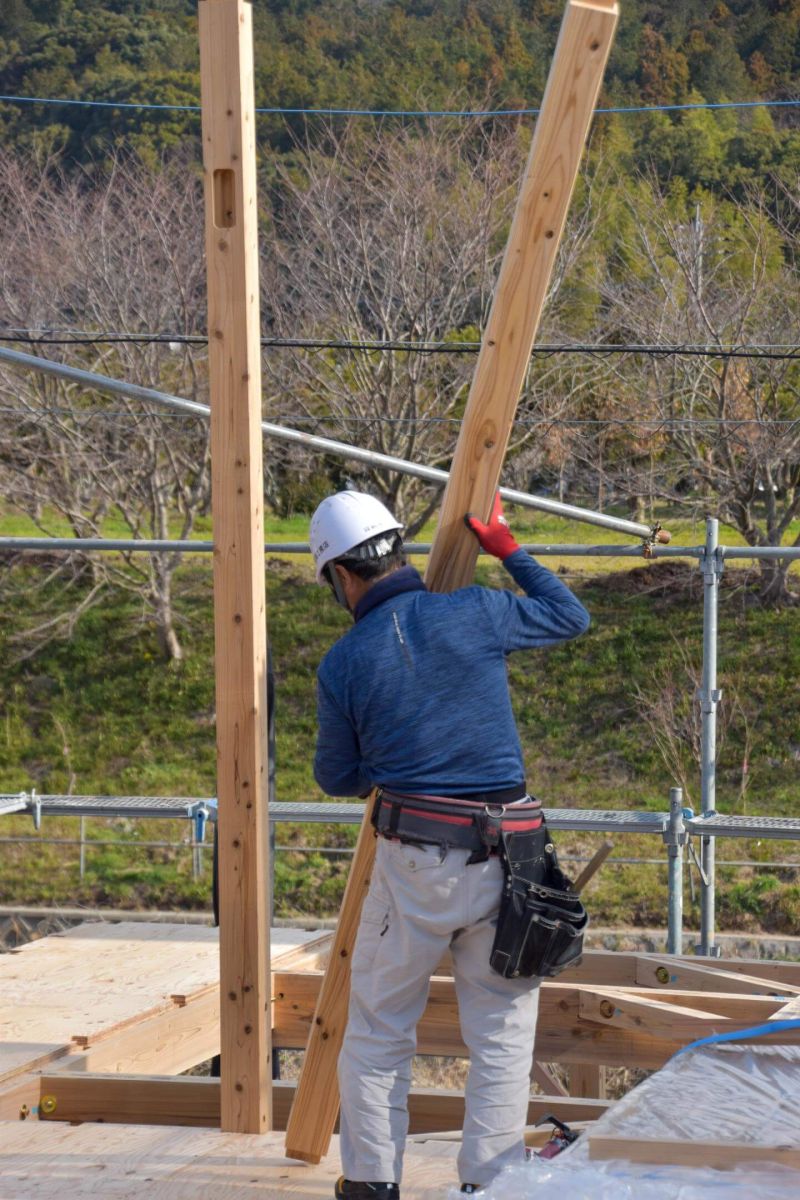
<point>541,921</point>
<point>477,823</point>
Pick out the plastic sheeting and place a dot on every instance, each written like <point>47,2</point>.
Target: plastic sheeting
<point>741,1094</point>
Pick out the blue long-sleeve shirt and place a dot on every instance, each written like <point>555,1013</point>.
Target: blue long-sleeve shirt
<point>415,695</point>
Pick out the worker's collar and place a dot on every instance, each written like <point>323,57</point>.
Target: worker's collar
<point>404,579</point>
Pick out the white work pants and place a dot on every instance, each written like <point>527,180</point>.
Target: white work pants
<point>417,906</point>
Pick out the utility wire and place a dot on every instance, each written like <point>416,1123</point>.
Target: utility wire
<point>601,349</point>
<point>399,112</point>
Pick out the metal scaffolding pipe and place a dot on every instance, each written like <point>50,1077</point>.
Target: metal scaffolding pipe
<point>710,695</point>
<point>131,391</point>
<point>152,546</point>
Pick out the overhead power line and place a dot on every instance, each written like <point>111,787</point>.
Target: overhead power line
<point>54,338</point>
<point>400,112</point>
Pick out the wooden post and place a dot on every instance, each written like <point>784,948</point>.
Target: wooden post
<point>226,75</point>
<point>575,76</point>
<point>561,129</point>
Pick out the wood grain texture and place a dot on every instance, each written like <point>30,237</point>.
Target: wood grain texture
<point>185,1100</point>
<point>585,39</point>
<point>316,1104</point>
<point>721,1156</point>
<point>50,1160</point>
<point>237,485</point>
<point>576,74</point>
<point>587,1079</point>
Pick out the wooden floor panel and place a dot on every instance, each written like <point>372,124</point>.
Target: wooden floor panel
<point>98,978</point>
<point>44,1161</point>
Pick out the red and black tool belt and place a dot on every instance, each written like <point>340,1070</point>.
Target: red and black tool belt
<point>477,823</point>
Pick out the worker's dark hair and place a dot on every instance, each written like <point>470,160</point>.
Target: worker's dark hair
<point>376,556</point>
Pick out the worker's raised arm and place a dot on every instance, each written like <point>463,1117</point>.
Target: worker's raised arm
<point>548,612</point>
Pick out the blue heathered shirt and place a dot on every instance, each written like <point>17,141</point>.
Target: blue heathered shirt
<point>415,695</point>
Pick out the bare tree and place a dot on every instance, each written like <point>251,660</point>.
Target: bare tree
<point>729,425</point>
<point>114,258</point>
<point>393,241</point>
<point>670,710</point>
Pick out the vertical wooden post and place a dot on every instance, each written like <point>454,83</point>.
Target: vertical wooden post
<point>234,352</point>
<point>574,82</point>
<point>584,42</point>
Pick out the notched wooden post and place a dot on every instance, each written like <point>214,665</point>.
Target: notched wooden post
<point>234,353</point>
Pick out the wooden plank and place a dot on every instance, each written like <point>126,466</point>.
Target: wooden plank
<point>190,1101</point>
<point>747,1007</point>
<point>788,1012</point>
<point>671,1021</point>
<point>543,1074</point>
<point>576,74</point>
<point>316,1103</point>
<point>237,487</point>
<point>574,82</point>
<point>50,1160</point>
<point>721,1156</point>
<point>562,1035</point>
<point>587,1079</point>
<point>168,1041</point>
<point>19,1099</point>
<point>663,971</point>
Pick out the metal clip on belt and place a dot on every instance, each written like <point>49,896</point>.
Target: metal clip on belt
<point>477,826</point>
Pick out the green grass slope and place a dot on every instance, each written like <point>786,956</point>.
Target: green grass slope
<point>102,713</point>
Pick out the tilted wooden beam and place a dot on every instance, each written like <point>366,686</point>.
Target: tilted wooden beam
<point>316,1103</point>
<point>561,128</point>
<point>587,32</point>
<point>234,353</point>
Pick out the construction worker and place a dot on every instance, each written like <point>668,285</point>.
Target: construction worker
<point>414,701</point>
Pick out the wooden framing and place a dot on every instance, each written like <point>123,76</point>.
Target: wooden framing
<point>574,82</point>
<point>147,1100</point>
<point>234,350</point>
<point>720,1156</point>
<point>595,1015</point>
<point>317,1096</point>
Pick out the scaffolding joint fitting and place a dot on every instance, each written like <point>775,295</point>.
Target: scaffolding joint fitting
<point>709,699</point>
<point>657,536</point>
<point>712,566</point>
<point>35,806</point>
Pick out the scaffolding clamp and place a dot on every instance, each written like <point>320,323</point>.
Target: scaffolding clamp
<point>658,536</point>
<point>35,805</point>
<point>199,813</point>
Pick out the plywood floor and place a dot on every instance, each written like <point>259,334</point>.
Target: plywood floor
<point>71,988</point>
<point>47,1161</point>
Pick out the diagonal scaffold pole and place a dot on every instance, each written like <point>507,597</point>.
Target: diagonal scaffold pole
<point>312,441</point>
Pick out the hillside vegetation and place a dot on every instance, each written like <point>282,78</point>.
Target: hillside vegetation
<point>400,54</point>
<point>103,713</point>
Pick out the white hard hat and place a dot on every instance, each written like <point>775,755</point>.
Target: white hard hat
<point>342,522</point>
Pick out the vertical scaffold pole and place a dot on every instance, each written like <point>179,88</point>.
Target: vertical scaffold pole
<point>675,837</point>
<point>237,487</point>
<point>711,565</point>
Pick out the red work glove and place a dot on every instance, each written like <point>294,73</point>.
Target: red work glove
<point>495,538</point>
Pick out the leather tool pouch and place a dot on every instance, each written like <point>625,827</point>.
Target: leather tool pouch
<point>541,921</point>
